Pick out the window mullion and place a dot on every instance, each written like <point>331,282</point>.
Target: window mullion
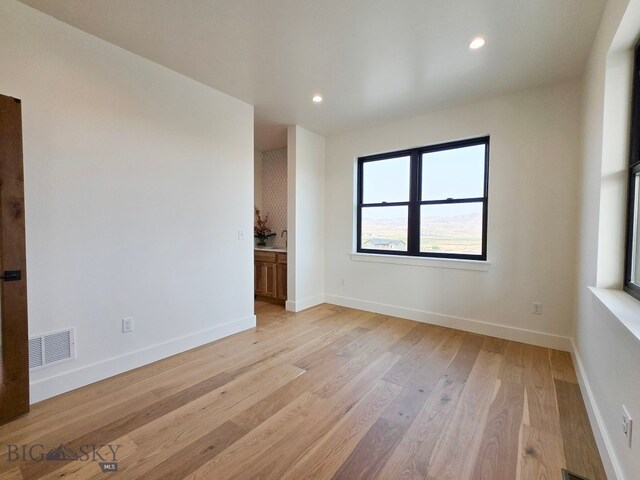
<point>385,204</point>
<point>413,246</point>
<point>453,200</point>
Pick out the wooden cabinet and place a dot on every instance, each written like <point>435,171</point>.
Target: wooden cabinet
<point>281,281</point>
<point>270,270</point>
<point>265,279</point>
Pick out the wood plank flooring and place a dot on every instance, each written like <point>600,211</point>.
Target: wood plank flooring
<point>328,393</point>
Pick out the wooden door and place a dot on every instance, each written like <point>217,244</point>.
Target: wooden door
<point>14,347</point>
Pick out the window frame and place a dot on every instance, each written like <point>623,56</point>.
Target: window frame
<point>415,201</point>
<point>634,169</point>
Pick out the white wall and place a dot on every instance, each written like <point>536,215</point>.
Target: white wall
<point>532,220</point>
<point>137,180</point>
<point>306,218</point>
<point>607,354</point>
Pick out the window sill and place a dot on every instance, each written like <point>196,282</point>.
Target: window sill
<point>478,265</point>
<point>622,306</point>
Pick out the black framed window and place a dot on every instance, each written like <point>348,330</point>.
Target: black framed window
<point>428,202</point>
<point>632,263</point>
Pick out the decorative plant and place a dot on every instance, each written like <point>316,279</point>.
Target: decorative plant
<point>261,230</point>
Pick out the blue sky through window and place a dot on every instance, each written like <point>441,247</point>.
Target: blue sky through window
<point>457,173</point>
<point>453,174</point>
<point>387,180</point>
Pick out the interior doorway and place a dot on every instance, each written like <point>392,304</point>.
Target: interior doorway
<point>271,235</point>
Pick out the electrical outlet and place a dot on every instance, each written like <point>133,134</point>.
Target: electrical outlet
<point>127,325</point>
<point>537,308</point>
<point>342,283</point>
<point>240,234</point>
<point>627,425</point>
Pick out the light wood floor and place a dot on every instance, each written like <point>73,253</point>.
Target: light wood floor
<point>327,393</point>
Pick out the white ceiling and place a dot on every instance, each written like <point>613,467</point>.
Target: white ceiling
<point>372,60</point>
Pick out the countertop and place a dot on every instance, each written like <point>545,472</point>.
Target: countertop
<point>270,249</point>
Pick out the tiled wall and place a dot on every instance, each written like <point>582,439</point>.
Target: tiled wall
<point>274,192</point>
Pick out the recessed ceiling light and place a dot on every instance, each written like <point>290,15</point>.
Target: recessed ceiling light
<point>477,43</point>
<point>316,98</point>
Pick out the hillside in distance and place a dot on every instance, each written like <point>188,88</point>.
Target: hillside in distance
<point>459,226</point>
<point>468,226</point>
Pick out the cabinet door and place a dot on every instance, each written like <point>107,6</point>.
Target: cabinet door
<point>260,278</point>
<point>271,280</point>
<point>257,280</point>
<point>282,281</point>
<point>270,274</point>
<point>265,279</point>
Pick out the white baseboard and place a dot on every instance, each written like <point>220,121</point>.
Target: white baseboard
<point>605,447</point>
<point>533,337</point>
<point>79,377</point>
<point>304,304</point>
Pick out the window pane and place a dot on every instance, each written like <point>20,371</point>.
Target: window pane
<point>457,173</point>
<point>635,252</point>
<point>386,180</point>
<point>384,228</point>
<point>451,228</point>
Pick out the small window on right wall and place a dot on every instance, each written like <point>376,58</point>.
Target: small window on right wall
<point>632,263</point>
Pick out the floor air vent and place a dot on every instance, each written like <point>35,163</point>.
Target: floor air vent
<point>51,349</point>
<point>567,475</point>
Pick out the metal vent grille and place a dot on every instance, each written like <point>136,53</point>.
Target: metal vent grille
<point>567,475</point>
<point>35,352</point>
<point>51,349</point>
<point>57,347</point>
